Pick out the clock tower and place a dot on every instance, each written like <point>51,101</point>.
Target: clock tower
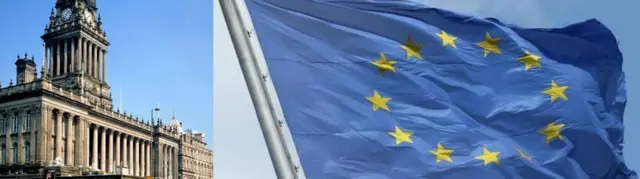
<point>75,47</point>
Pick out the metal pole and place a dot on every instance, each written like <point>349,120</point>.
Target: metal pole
<point>282,164</point>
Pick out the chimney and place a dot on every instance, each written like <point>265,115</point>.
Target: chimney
<point>26,70</point>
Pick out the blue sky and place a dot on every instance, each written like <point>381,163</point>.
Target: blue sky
<point>160,52</point>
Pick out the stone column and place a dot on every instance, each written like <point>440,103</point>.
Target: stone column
<point>117,150</point>
<point>175,163</point>
<point>130,153</point>
<point>45,151</point>
<point>32,141</point>
<point>64,66</point>
<point>69,147</point>
<point>7,135</point>
<point>111,158</point>
<point>94,55</point>
<point>94,151</point>
<point>90,59</point>
<point>160,160</point>
<point>149,155</point>
<point>170,161</point>
<point>80,53</point>
<point>167,160</point>
<point>19,118</point>
<point>57,59</point>
<point>73,55</point>
<point>59,135</point>
<point>94,61</point>
<point>78,138</point>
<point>45,60</point>
<point>94,67</point>
<point>87,143</point>
<point>99,64</point>
<point>104,66</point>
<point>142,158</point>
<point>136,157</point>
<point>103,147</point>
<point>125,150</point>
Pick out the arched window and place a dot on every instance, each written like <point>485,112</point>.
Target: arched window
<point>27,152</point>
<point>14,120</point>
<point>14,153</point>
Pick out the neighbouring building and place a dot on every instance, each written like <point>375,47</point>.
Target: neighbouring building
<point>63,120</point>
<point>196,160</point>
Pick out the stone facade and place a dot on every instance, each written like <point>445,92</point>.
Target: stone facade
<point>64,121</point>
<point>196,161</point>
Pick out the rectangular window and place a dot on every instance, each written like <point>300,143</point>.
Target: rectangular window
<point>26,121</point>
<point>1,125</point>
<point>14,119</point>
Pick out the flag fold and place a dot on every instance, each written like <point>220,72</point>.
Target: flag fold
<point>397,89</point>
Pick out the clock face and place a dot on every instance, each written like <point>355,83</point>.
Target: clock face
<point>66,14</point>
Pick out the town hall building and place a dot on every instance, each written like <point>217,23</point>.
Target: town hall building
<point>61,120</point>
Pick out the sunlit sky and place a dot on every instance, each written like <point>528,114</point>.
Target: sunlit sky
<point>160,53</point>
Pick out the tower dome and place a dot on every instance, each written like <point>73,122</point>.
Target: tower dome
<point>175,123</point>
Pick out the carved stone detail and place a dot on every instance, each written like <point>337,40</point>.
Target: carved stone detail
<point>15,110</point>
<point>36,108</point>
<point>47,108</point>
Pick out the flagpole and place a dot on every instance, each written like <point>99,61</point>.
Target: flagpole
<point>284,167</point>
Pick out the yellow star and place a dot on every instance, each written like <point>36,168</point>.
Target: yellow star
<point>488,157</point>
<point>530,60</point>
<point>384,64</point>
<point>552,131</point>
<point>378,101</point>
<point>524,155</point>
<point>447,39</point>
<point>401,136</point>
<point>556,91</point>
<point>413,49</point>
<point>490,44</point>
<point>442,153</point>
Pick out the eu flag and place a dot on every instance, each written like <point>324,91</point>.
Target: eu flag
<point>395,89</point>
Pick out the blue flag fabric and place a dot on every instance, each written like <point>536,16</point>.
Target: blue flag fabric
<point>396,89</point>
